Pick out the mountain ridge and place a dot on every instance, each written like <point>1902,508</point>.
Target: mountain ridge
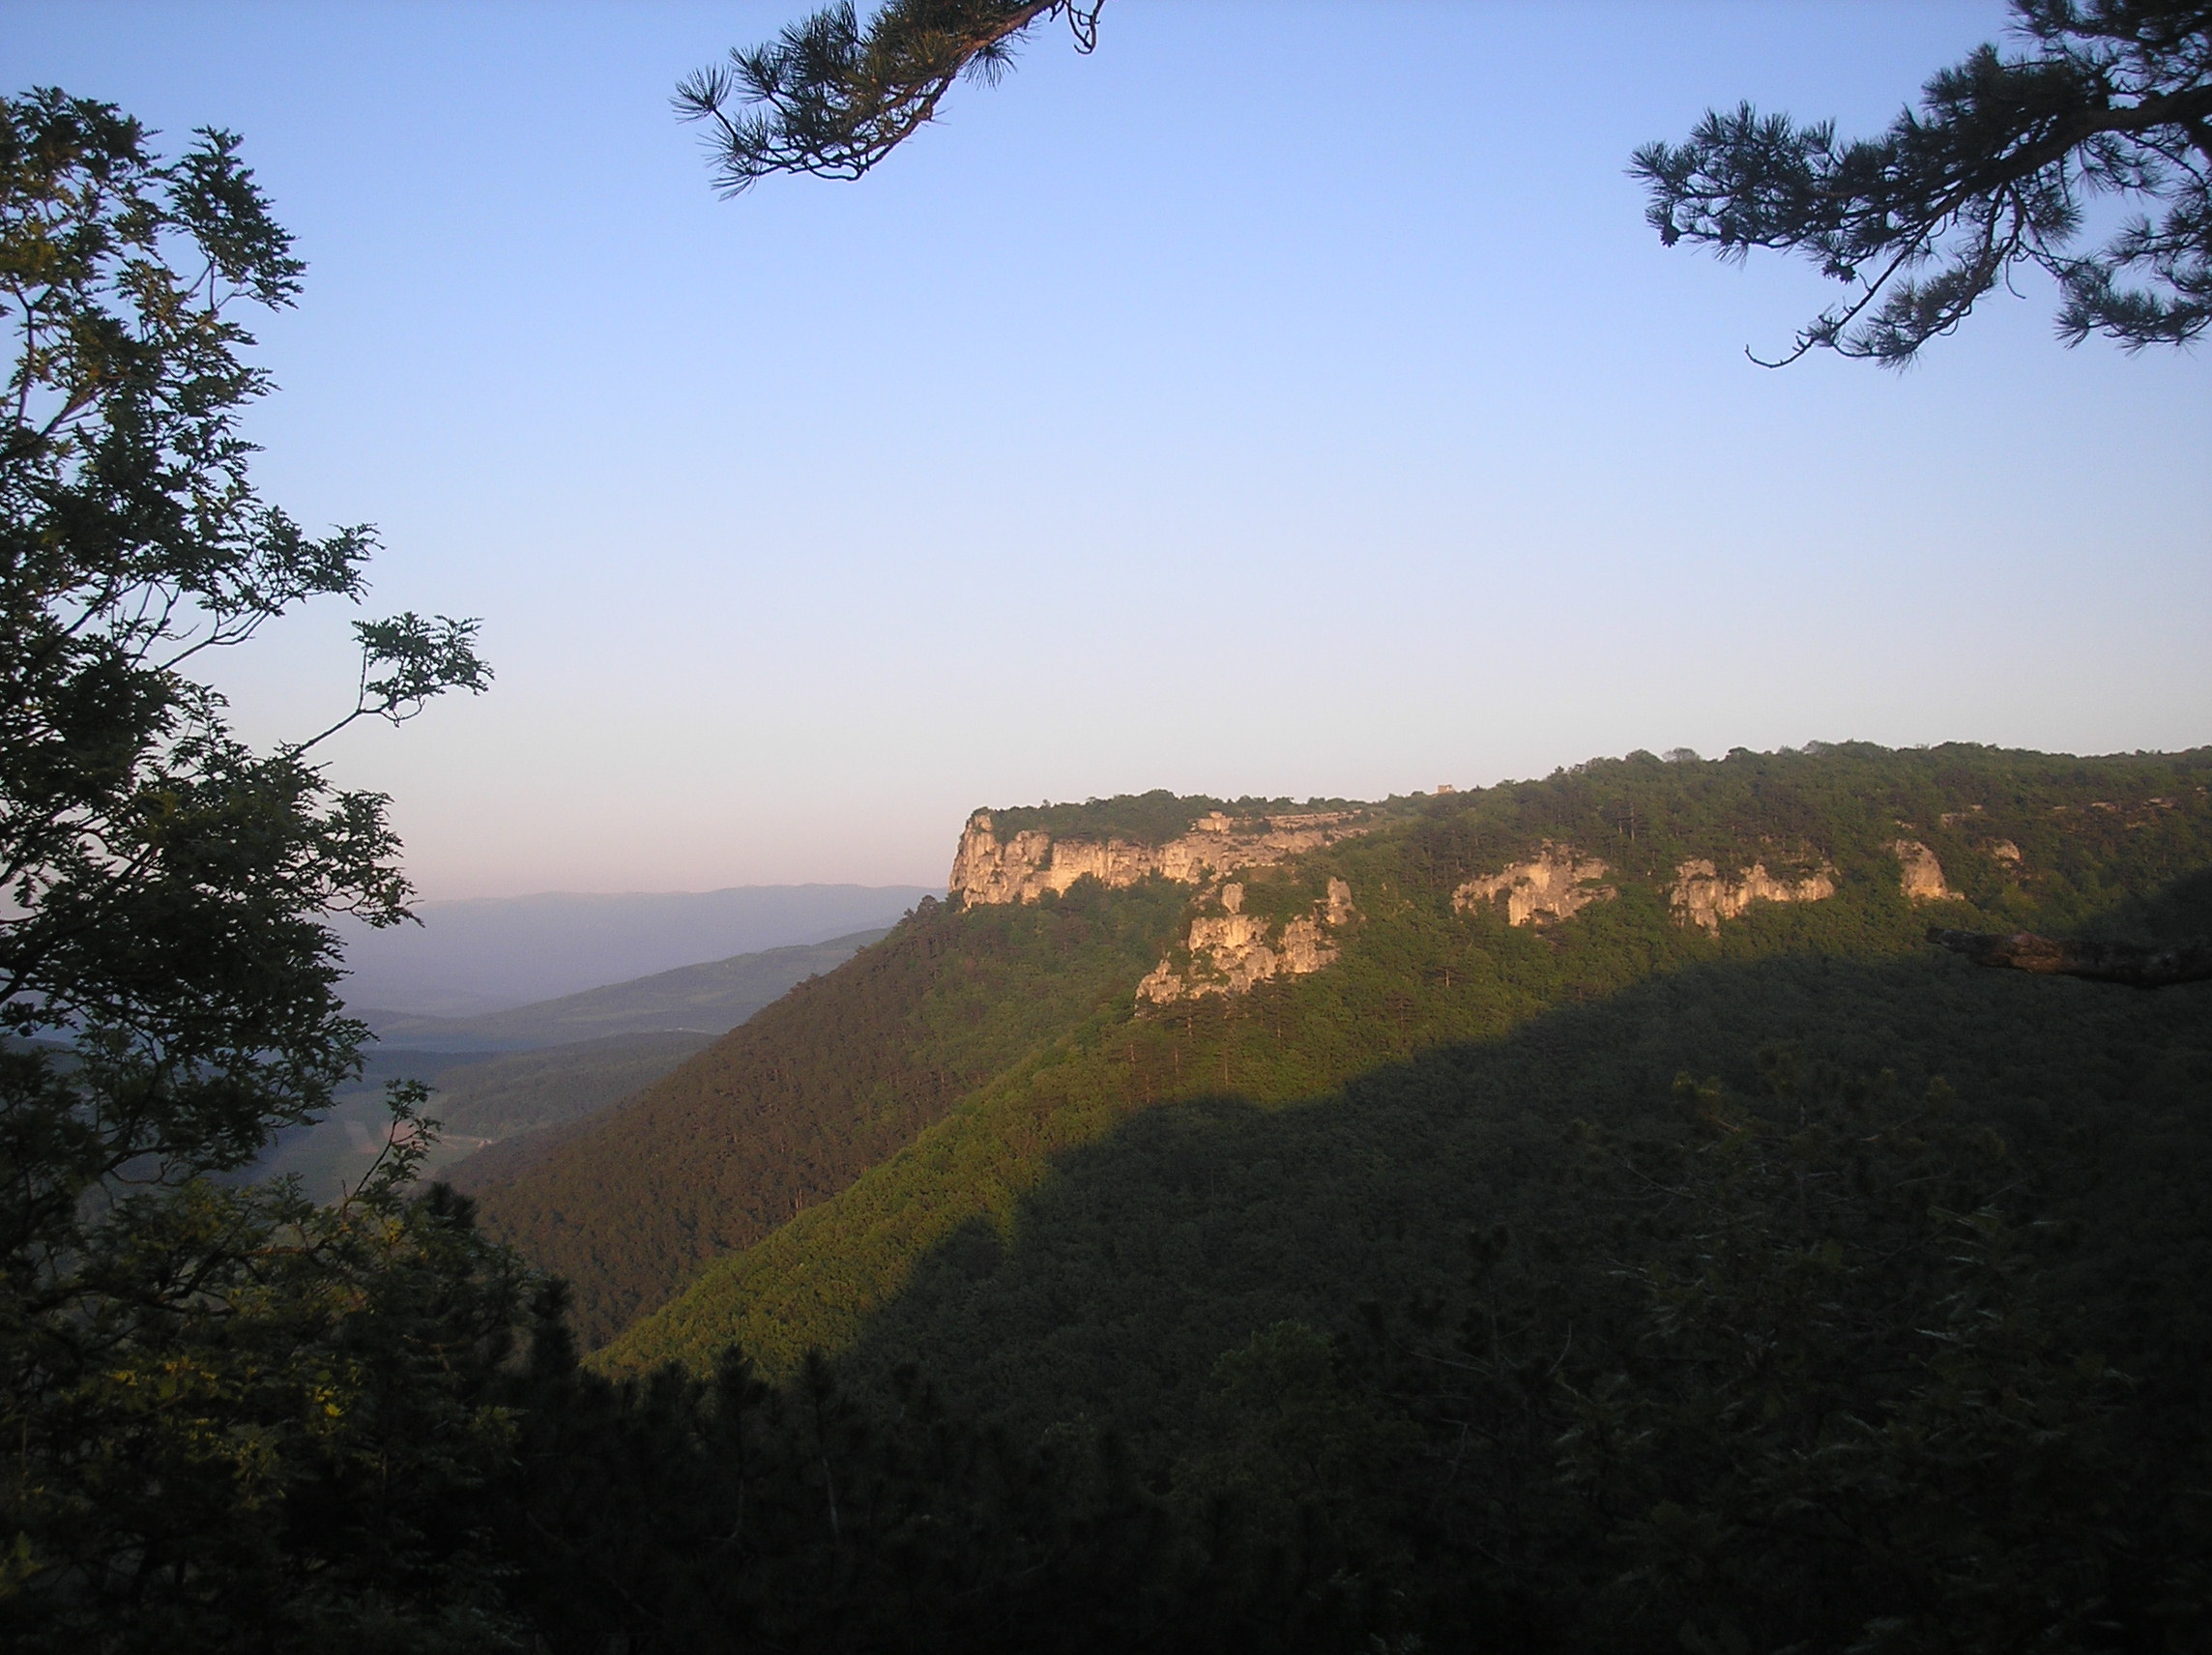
<point>469,956</point>
<point>1421,968</point>
<point>710,998</point>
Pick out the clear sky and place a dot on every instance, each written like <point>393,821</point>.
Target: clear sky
<point>1285,400</point>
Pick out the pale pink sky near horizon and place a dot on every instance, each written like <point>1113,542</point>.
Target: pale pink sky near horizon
<point>1281,402</point>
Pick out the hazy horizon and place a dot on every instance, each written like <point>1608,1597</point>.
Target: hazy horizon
<point>471,955</point>
<point>429,902</point>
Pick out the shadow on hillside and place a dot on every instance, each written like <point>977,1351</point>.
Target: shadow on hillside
<point>1146,1254</point>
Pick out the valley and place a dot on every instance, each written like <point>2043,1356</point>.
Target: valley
<point>518,1073</point>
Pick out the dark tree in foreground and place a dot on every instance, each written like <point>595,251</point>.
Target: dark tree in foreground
<point>233,1418</point>
<point>1999,167</point>
<point>832,98</point>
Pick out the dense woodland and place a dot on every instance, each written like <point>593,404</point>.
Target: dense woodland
<point>792,1106</point>
<point>1598,1285</point>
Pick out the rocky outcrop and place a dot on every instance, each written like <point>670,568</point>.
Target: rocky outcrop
<point>1232,951</point>
<point>2005,851</point>
<point>1024,867</point>
<point>1703,896</point>
<point>1919,875</point>
<point>1554,883</point>
<point>2134,964</point>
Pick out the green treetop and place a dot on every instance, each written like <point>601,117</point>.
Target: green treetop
<point>234,1419</point>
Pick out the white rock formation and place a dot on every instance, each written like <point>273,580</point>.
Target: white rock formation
<point>2005,851</point>
<point>1030,863</point>
<point>1703,896</point>
<point>1233,951</point>
<point>1556,883</point>
<point>1919,875</point>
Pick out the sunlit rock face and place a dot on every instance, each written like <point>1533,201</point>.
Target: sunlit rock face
<point>2005,851</point>
<point>1919,875</point>
<point>1554,883</point>
<point>1703,896</point>
<point>1032,862</point>
<point>1233,951</point>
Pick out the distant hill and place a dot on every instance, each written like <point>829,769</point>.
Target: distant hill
<point>710,998</point>
<point>470,957</point>
<point>790,1108</point>
<point>1089,1140</point>
<point>505,1083</point>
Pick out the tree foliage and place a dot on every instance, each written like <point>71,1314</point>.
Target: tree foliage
<point>164,883</point>
<point>262,1422</point>
<point>832,98</point>
<point>200,1385</point>
<point>2000,166</point>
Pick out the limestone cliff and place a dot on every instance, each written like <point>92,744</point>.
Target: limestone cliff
<point>1030,863</point>
<point>1703,896</point>
<point>1233,951</point>
<point>1919,875</point>
<point>1554,883</point>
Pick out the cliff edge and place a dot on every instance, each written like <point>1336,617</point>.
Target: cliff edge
<point>1024,867</point>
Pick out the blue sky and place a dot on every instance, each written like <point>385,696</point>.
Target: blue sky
<point>1285,400</point>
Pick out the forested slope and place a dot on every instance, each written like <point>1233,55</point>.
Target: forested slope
<point>791,1107</point>
<point>1109,1287</point>
<point>1062,1241</point>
